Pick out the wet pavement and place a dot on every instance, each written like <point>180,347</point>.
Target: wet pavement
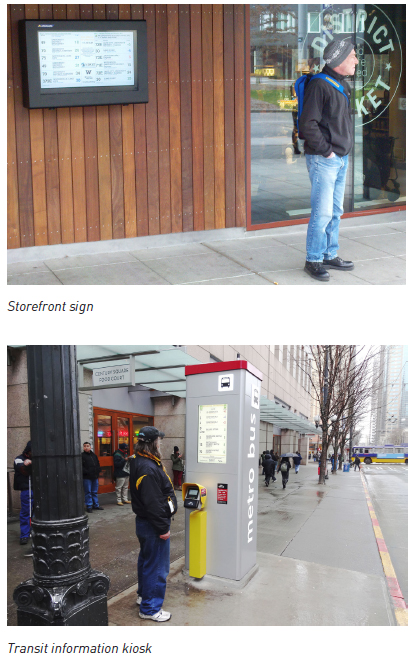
<point>317,556</point>
<point>388,488</point>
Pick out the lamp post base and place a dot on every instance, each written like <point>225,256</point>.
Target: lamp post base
<point>80,604</point>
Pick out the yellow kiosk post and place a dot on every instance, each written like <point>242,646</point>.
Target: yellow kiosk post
<point>194,497</point>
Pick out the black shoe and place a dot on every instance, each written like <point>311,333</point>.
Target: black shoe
<point>338,264</point>
<point>316,270</point>
<point>89,510</point>
<point>24,541</point>
<point>98,508</point>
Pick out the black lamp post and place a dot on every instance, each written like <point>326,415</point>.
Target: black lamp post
<point>64,590</point>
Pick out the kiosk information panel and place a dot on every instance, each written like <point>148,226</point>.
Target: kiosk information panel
<point>212,433</point>
<point>231,542</point>
<point>79,63</point>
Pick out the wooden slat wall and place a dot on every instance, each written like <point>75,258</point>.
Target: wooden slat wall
<point>174,164</point>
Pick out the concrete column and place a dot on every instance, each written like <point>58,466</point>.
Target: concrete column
<point>289,441</point>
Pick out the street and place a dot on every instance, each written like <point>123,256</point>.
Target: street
<point>387,485</point>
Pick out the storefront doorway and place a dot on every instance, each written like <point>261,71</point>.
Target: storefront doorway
<point>287,41</point>
<point>112,428</point>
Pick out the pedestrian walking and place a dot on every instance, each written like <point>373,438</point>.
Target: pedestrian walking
<point>121,474</point>
<point>91,470</point>
<point>22,483</point>
<point>269,469</point>
<point>177,468</point>
<point>326,125</point>
<point>297,460</point>
<point>154,503</point>
<point>357,463</point>
<point>284,466</point>
<point>275,458</point>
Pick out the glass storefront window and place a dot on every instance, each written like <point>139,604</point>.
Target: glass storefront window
<point>288,41</point>
<point>104,435</point>
<point>123,430</point>
<point>138,423</point>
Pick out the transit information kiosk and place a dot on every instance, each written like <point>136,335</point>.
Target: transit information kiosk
<point>222,447</point>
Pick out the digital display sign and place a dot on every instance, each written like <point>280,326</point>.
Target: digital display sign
<point>79,63</point>
<point>86,59</point>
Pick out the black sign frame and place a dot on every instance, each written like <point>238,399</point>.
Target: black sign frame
<point>36,97</point>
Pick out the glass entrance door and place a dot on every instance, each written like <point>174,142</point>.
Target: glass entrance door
<point>111,429</point>
<point>287,41</point>
<point>104,450</point>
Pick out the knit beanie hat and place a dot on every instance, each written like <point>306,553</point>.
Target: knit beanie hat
<point>336,52</point>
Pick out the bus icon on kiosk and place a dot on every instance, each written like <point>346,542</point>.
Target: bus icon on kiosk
<point>226,382</point>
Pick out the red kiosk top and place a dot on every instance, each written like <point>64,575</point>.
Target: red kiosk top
<point>217,367</point>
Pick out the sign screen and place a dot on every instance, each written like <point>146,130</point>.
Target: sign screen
<point>212,433</point>
<point>86,59</point>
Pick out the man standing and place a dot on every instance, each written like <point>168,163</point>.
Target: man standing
<point>154,503</point>
<point>326,126</point>
<point>91,470</point>
<point>22,482</point>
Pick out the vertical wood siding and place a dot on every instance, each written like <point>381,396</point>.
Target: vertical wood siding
<point>174,164</point>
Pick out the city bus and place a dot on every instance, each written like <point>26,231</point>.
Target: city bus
<point>386,453</point>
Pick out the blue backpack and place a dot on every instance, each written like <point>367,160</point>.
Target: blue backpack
<point>301,84</point>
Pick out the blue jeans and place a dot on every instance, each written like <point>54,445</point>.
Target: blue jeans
<point>153,567</point>
<point>26,503</point>
<point>91,492</point>
<point>328,180</point>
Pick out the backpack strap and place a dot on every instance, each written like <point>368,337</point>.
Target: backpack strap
<point>334,83</point>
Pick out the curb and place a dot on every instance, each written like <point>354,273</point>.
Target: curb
<point>396,595</point>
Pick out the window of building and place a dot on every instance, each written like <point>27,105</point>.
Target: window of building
<point>314,21</point>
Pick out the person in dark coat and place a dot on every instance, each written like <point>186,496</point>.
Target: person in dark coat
<point>120,458</point>
<point>297,459</point>
<point>22,483</point>
<point>154,503</point>
<point>177,467</point>
<point>357,463</point>
<point>91,471</point>
<point>285,471</point>
<point>274,457</point>
<point>269,469</point>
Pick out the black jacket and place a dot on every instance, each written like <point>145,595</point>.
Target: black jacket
<point>119,461</point>
<point>91,466</point>
<point>151,490</point>
<point>22,472</point>
<point>297,459</point>
<point>269,467</point>
<point>326,122</point>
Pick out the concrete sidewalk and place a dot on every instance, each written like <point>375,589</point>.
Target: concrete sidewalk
<point>317,557</point>
<point>376,244</point>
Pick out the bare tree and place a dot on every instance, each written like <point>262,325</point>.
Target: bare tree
<point>342,380</point>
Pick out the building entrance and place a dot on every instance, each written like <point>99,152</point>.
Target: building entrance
<point>111,428</point>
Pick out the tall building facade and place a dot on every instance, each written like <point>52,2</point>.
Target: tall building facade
<point>389,405</point>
